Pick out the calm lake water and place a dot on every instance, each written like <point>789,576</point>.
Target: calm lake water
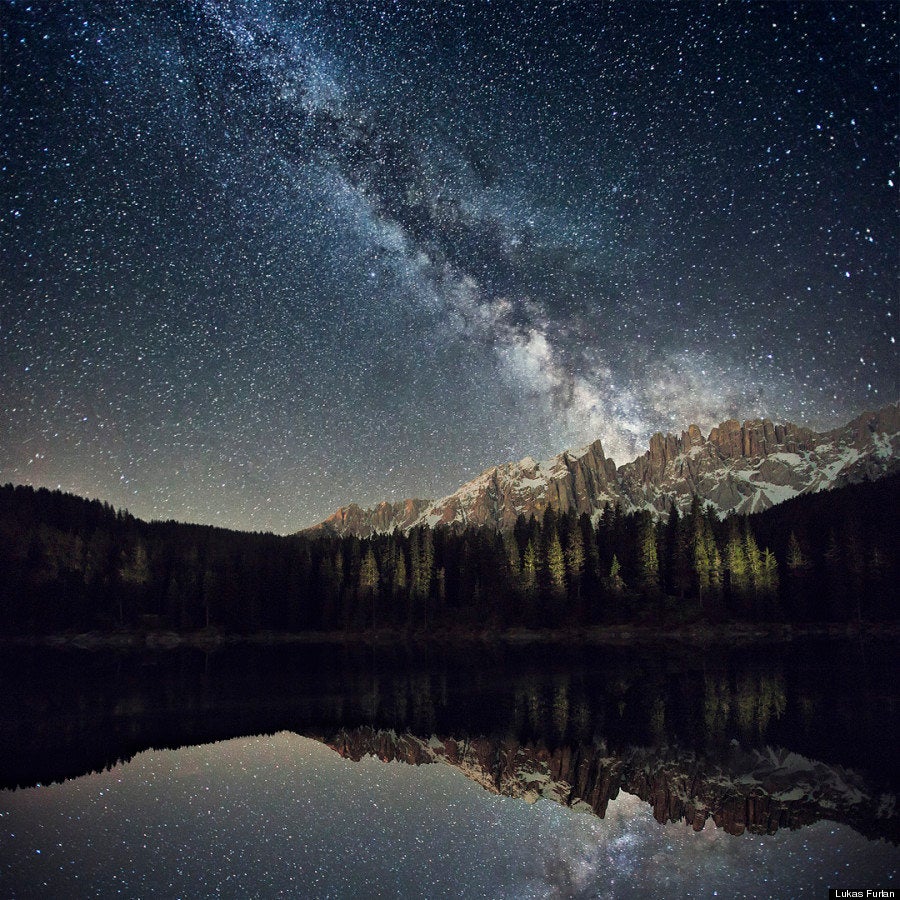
<point>555,772</point>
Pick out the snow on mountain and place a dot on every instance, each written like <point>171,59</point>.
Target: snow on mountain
<point>738,467</point>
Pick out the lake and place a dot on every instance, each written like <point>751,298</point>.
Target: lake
<point>538,770</point>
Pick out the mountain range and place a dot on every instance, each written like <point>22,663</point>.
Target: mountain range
<point>740,468</point>
<point>756,790</point>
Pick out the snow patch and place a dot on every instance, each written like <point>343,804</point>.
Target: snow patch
<point>792,459</point>
<point>780,492</point>
<point>581,451</point>
<point>883,445</point>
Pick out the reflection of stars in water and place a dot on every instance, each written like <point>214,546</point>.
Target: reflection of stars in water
<point>256,816</point>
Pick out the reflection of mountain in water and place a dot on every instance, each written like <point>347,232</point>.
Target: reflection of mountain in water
<point>758,791</point>
<point>689,729</point>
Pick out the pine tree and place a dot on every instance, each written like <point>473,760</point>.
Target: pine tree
<point>591,553</point>
<point>649,560</point>
<point>549,527</point>
<point>797,586</point>
<point>616,584</point>
<point>738,569</point>
<point>769,583</point>
<point>400,572</point>
<point>575,557</point>
<point>703,552</point>
<point>529,568</point>
<point>715,567</point>
<point>368,572</point>
<point>556,566</point>
<point>440,579</point>
<point>421,559</point>
<point>513,557</point>
<point>422,551</point>
<point>672,553</point>
<point>521,532</point>
<point>701,567</point>
<point>795,558</point>
<point>135,568</point>
<point>368,580</point>
<point>754,558</point>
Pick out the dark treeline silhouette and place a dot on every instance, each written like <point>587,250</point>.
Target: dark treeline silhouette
<point>68,563</point>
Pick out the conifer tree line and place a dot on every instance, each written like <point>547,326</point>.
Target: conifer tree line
<point>68,563</point>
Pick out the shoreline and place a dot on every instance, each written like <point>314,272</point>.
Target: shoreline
<point>730,634</point>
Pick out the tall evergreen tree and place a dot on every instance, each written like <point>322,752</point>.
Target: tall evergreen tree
<point>616,582</point>
<point>704,552</point>
<point>513,557</point>
<point>368,572</point>
<point>754,557</point>
<point>795,558</point>
<point>575,558</point>
<point>529,568</point>
<point>556,566</point>
<point>400,581</point>
<point>737,567</point>
<point>768,585</point>
<point>649,559</point>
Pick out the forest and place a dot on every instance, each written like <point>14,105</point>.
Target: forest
<point>70,564</point>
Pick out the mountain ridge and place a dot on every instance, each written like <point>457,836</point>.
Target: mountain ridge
<point>756,790</point>
<point>739,467</point>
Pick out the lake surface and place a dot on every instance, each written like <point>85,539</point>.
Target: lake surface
<point>599,771</point>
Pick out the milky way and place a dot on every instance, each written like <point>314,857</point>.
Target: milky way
<point>264,258</point>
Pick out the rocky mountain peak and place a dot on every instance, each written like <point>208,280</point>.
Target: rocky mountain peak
<point>384,518</point>
<point>693,437</point>
<point>738,467</point>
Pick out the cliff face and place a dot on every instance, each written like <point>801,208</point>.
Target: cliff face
<point>384,518</point>
<point>751,466</point>
<point>755,791</point>
<point>737,468</point>
<point>578,481</point>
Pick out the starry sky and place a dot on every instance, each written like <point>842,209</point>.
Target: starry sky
<point>283,814</point>
<point>263,258</point>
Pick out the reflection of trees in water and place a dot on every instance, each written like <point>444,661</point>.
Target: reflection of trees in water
<point>649,706</point>
<point>716,706</point>
<point>754,701</point>
<point>408,700</point>
<point>63,709</point>
<point>658,719</point>
<point>618,689</point>
<point>583,725</point>
<point>554,710</point>
<point>534,705</point>
<point>422,702</point>
<point>401,705</point>
<point>758,699</point>
<point>561,706</point>
<point>808,712</point>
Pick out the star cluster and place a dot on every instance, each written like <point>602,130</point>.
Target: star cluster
<point>264,258</point>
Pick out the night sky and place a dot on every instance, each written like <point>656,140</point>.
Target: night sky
<point>261,259</point>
